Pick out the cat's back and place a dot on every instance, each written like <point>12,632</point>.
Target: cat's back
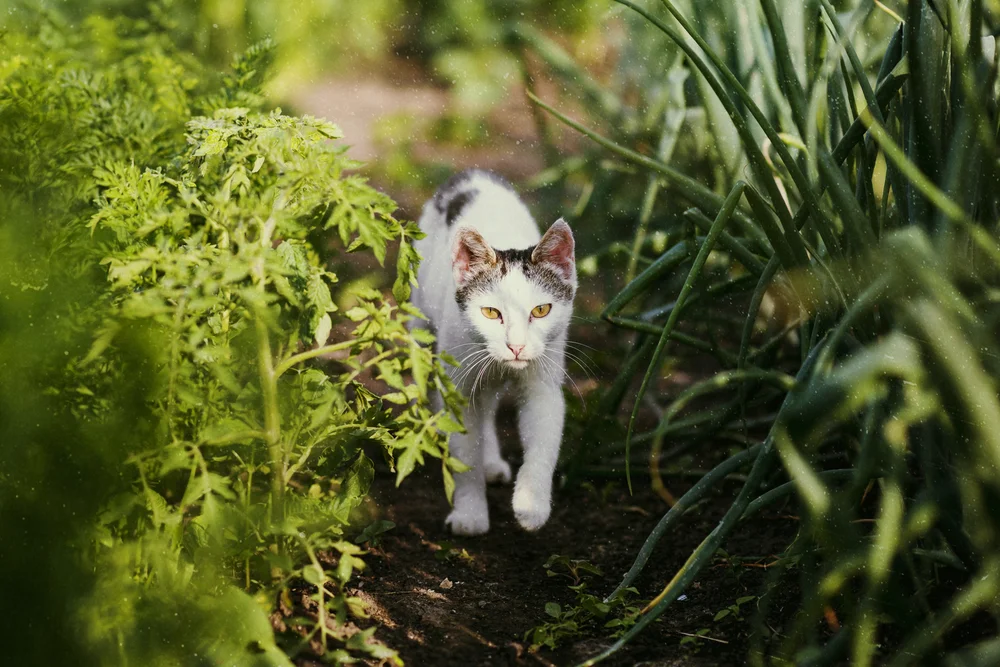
<point>485,201</point>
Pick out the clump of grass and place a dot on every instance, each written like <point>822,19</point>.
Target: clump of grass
<point>859,150</point>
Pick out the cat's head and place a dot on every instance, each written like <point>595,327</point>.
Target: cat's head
<point>517,302</point>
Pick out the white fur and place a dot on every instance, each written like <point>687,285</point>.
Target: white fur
<point>489,366</point>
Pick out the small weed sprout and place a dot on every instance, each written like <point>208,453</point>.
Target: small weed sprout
<point>587,613</point>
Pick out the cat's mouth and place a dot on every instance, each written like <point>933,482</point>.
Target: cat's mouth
<point>518,364</point>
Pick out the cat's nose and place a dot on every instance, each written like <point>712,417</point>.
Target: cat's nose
<point>516,349</point>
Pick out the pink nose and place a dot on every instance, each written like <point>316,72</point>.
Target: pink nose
<point>516,349</point>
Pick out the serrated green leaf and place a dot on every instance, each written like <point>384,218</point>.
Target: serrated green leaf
<point>323,330</point>
<point>457,466</point>
<point>449,483</point>
<point>405,464</point>
<point>357,314</point>
<point>448,425</point>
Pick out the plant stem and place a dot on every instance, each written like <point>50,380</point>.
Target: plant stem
<point>272,422</point>
<point>269,391</point>
<point>312,354</point>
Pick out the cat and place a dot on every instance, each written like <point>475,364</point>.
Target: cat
<point>499,296</point>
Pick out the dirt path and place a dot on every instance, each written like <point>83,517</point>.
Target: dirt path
<point>469,601</point>
<point>441,600</point>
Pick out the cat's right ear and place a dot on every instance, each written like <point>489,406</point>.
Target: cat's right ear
<point>470,254</point>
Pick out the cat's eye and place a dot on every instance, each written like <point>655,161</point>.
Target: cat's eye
<point>490,313</point>
<point>542,310</point>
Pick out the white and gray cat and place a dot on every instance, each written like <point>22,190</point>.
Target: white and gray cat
<point>499,296</point>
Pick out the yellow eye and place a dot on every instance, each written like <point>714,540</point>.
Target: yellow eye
<point>541,311</point>
<point>491,313</point>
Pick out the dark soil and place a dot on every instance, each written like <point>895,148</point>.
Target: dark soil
<point>438,606</point>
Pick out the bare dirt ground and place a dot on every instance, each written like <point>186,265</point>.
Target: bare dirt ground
<point>440,606</point>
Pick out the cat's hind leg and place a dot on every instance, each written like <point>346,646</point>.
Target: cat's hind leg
<point>470,514</point>
<point>496,469</point>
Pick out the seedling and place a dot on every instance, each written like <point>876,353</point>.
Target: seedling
<point>583,617</point>
<point>449,553</point>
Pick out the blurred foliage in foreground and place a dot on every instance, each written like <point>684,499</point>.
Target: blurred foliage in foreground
<point>852,170</point>
<point>461,43</point>
<point>172,469</point>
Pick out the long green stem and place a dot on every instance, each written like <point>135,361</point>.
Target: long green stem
<point>981,591</point>
<point>688,187</point>
<point>806,189</point>
<point>312,354</point>
<point>272,422</point>
<point>269,389</point>
<point>725,214</point>
<point>701,556</point>
<point>694,494</point>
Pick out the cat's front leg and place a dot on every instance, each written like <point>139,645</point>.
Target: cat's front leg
<point>470,514</point>
<point>540,422</point>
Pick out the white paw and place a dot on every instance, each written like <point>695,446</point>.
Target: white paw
<point>497,471</point>
<point>530,509</point>
<point>464,521</point>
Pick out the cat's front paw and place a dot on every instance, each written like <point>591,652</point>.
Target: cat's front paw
<point>466,521</point>
<point>497,471</point>
<point>531,509</point>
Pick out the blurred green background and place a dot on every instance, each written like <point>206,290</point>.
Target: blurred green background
<point>792,205</point>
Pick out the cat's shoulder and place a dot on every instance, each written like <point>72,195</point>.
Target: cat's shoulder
<point>463,188</point>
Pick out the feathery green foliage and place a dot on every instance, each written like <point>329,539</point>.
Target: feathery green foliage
<point>167,278</point>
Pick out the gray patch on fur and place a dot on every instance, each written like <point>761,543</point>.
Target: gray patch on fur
<point>458,185</point>
<point>457,205</point>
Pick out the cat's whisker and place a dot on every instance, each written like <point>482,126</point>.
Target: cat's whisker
<point>483,357</point>
<point>469,369</point>
<point>475,384</point>
<point>468,356</point>
<point>569,377</point>
<point>577,343</point>
<point>461,345</point>
<point>546,362</point>
<point>581,357</point>
<point>544,365</point>
<point>479,348</point>
<point>586,367</point>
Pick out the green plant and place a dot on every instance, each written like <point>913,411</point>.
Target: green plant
<point>213,30</point>
<point>735,610</point>
<point>372,534</point>
<point>573,568</point>
<point>616,614</point>
<point>603,494</point>
<point>695,640</point>
<point>174,243</point>
<point>449,553</point>
<point>867,145</point>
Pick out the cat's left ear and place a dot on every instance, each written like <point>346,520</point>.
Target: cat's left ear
<point>557,249</point>
<point>470,254</point>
